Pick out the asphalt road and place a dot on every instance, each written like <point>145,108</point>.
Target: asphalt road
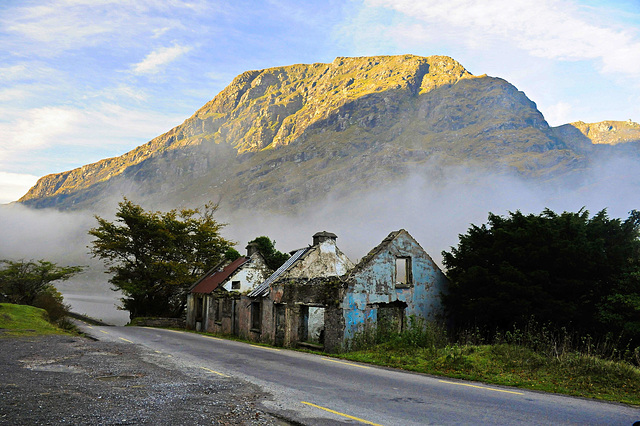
<point>317,390</point>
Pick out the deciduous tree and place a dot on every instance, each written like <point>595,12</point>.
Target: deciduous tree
<point>155,257</point>
<point>30,283</point>
<point>267,248</point>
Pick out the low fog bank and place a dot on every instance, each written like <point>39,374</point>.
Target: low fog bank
<point>62,238</point>
<point>434,204</point>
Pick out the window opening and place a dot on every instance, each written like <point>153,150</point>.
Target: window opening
<point>218,317</point>
<point>256,316</point>
<point>199,308</point>
<point>403,271</point>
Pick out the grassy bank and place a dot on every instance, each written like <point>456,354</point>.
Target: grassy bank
<point>535,360</point>
<point>23,320</point>
<point>511,365</point>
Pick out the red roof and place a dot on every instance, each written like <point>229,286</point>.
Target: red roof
<point>211,282</point>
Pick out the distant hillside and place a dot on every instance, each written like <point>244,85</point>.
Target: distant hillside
<point>281,137</point>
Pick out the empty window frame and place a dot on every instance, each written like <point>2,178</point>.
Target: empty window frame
<point>218,317</point>
<point>199,308</point>
<point>256,316</point>
<point>235,285</point>
<point>403,275</point>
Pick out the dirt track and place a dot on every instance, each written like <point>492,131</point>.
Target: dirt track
<point>74,380</point>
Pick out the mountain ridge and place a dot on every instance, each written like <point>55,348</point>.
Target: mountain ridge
<point>286,135</point>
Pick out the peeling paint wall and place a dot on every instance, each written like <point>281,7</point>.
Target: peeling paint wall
<point>323,260</point>
<point>372,285</point>
<point>250,275</point>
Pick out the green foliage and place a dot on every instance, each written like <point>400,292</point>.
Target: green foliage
<point>419,333</point>
<point>565,269</point>
<point>155,257</point>
<point>533,358</point>
<point>21,282</point>
<point>24,320</point>
<point>29,283</point>
<point>267,248</point>
<point>231,254</point>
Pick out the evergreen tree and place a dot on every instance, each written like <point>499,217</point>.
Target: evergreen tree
<point>566,269</point>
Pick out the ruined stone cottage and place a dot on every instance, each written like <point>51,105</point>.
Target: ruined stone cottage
<point>318,298</point>
<point>213,301</point>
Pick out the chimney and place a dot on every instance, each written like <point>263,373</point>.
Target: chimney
<point>251,249</point>
<point>320,237</point>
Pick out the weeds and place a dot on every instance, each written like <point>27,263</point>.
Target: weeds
<point>535,357</point>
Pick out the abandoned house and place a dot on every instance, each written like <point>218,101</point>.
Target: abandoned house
<point>319,299</point>
<point>212,303</point>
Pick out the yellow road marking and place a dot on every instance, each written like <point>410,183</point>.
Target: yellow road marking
<point>214,372</point>
<point>126,340</point>
<point>265,347</point>
<point>481,387</point>
<point>341,414</point>
<point>214,338</point>
<point>165,329</point>
<point>102,331</point>
<point>345,363</point>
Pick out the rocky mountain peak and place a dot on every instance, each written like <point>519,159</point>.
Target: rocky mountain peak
<point>610,132</point>
<point>281,136</point>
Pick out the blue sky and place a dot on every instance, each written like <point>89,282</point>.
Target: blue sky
<point>82,80</point>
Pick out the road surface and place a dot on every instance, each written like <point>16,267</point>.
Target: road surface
<point>318,390</point>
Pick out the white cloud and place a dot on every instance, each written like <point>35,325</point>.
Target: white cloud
<point>38,127</point>
<point>156,60</point>
<point>44,134</point>
<point>558,114</point>
<point>12,72</point>
<point>553,29</point>
<point>15,185</point>
<point>54,26</point>
<point>57,26</point>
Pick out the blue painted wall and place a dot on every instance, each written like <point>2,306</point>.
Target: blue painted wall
<point>373,282</point>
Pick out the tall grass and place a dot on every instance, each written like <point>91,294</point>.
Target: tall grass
<point>418,333</point>
<point>554,343</point>
<point>535,357</point>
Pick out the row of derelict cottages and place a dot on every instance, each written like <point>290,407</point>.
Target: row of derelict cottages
<point>318,298</point>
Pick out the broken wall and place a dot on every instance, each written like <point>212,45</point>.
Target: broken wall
<point>302,301</point>
<point>249,275</point>
<point>322,260</point>
<point>375,285</point>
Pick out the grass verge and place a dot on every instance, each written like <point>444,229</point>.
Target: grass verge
<point>512,365</point>
<point>23,320</point>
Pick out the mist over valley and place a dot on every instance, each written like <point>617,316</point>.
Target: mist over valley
<point>358,147</point>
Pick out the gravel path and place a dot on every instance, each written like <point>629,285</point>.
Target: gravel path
<point>52,380</point>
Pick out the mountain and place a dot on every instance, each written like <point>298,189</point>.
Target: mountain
<point>282,137</point>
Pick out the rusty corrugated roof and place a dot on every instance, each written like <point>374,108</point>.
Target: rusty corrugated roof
<point>263,289</point>
<point>210,282</point>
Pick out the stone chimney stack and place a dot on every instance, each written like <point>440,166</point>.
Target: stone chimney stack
<point>320,237</point>
<point>251,249</point>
